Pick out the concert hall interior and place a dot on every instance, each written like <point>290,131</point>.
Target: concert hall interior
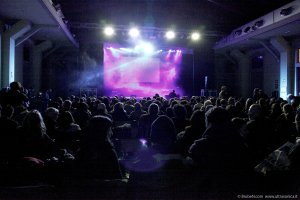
<point>149,99</point>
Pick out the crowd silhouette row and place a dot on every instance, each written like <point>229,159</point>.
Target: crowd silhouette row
<point>150,141</point>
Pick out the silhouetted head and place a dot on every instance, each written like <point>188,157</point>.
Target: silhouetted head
<point>15,86</point>
<point>197,118</point>
<point>254,112</point>
<point>52,113</point>
<point>99,128</point>
<point>217,115</point>
<point>65,119</point>
<point>34,124</point>
<point>153,109</point>
<point>163,132</point>
<point>179,111</point>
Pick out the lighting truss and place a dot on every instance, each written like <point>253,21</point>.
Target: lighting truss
<point>154,32</point>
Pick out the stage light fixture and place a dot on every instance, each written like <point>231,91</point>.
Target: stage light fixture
<point>148,48</point>
<point>195,36</point>
<point>134,32</point>
<point>145,48</point>
<point>170,35</point>
<point>109,31</point>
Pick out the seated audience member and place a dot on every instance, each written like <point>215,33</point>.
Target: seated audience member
<point>15,96</point>
<point>285,129</point>
<point>256,95</point>
<point>189,111</point>
<point>276,111</point>
<point>33,139</point>
<point>98,158</point>
<point>101,110</point>
<point>198,104</point>
<point>258,133</point>
<point>224,93</point>
<point>119,114</point>
<point>82,114</point>
<point>221,147</point>
<point>137,112</point>
<point>68,132</point>
<point>50,119</point>
<point>191,133</point>
<point>128,106</point>
<point>8,137</point>
<point>67,106</point>
<point>158,167</point>
<point>180,119</point>
<point>294,157</point>
<point>163,134</point>
<point>20,112</point>
<point>146,120</point>
<point>248,103</point>
<point>170,112</point>
<point>297,124</point>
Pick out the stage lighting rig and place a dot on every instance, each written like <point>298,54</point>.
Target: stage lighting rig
<point>195,36</point>
<point>134,32</point>
<point>109,31</point>
<point>170,35</point>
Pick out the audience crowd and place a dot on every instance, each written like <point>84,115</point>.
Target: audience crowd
<point>160,147</point>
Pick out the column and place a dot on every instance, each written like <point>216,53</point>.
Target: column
<point>19,57</point>
<point>287,71</point>
<point>243,80</point>
<point>37,63</point>
<point>8,50</point>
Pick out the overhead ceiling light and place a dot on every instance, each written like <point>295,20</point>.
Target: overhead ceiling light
<point>259,23</point>
<point>134,32</point>
<point>238,32</point>
<point>247,29</point>
<point>170,35</point>
<point>286,11</point>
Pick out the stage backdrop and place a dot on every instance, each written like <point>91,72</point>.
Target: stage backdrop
<point>129,72</point>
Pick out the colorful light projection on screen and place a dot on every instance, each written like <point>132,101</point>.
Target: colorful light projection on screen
<point>131,73</point>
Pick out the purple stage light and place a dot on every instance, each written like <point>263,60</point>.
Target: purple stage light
<point>143,141</point>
